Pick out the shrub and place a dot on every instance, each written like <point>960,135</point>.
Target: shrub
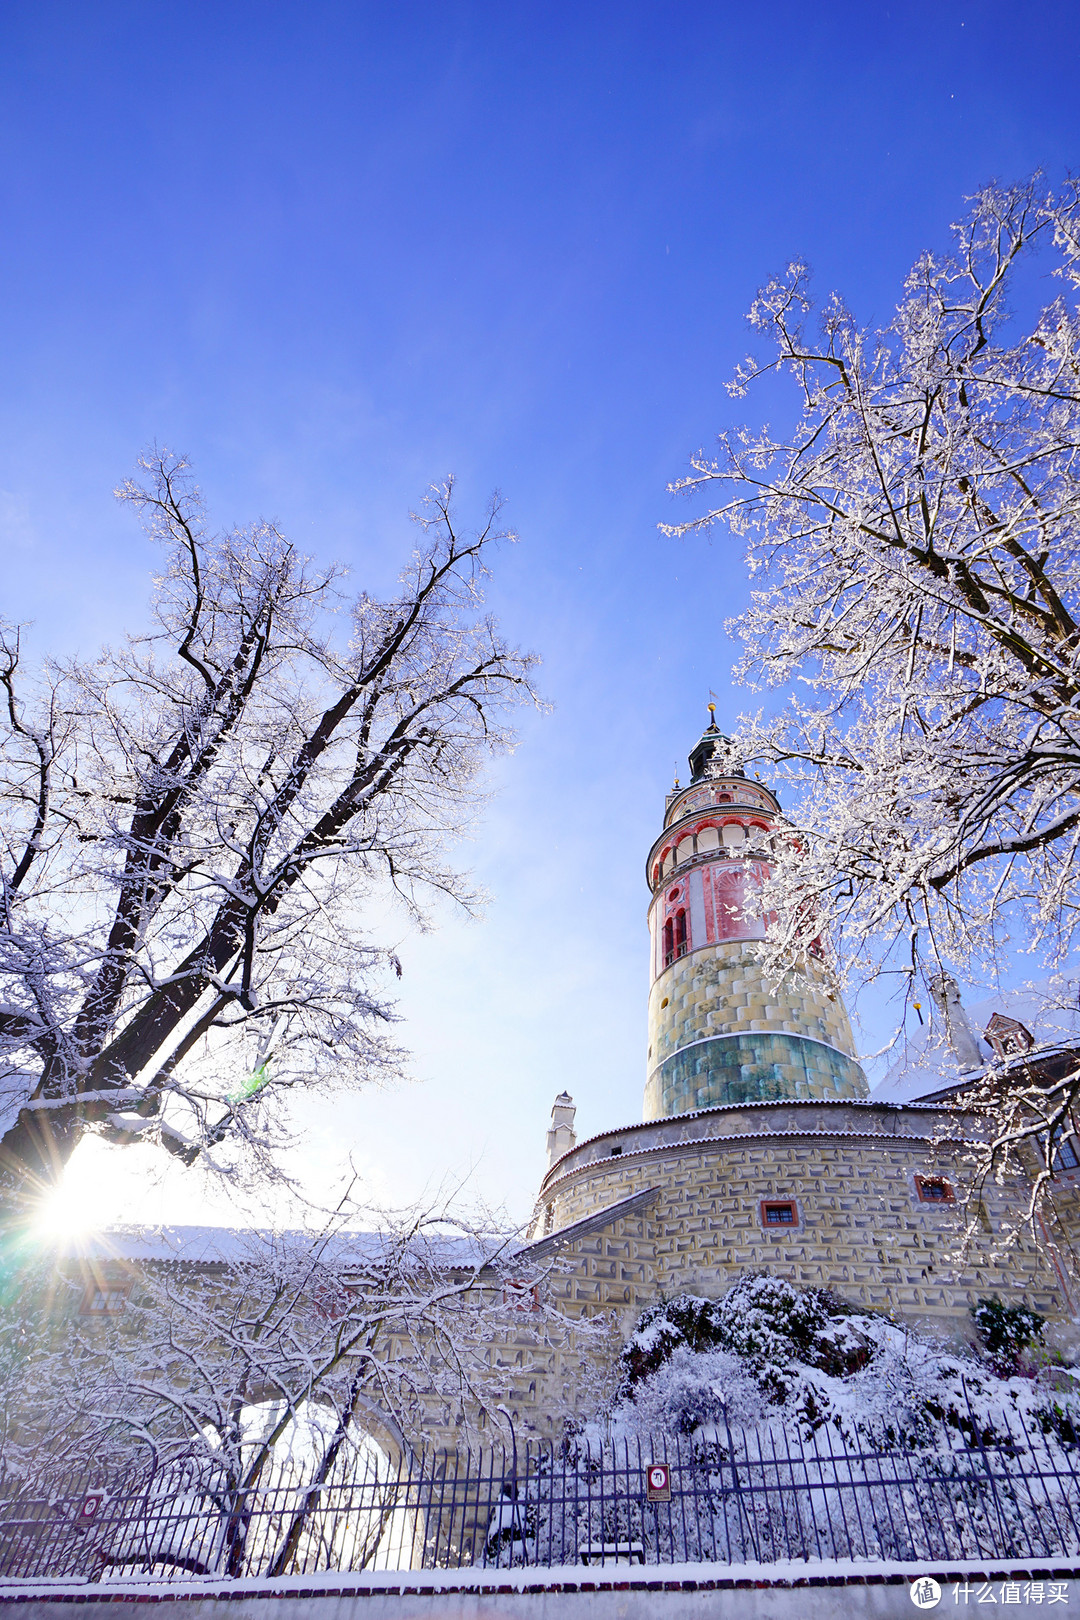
<point>1005,1332</point>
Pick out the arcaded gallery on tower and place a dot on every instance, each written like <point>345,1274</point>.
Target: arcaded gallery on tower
<point>760,1144</point>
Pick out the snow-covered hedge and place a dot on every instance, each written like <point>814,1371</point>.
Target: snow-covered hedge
<point>769,1353</point>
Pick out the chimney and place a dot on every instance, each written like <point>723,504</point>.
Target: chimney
<point>560,1136</point>
<point>961,1037</point>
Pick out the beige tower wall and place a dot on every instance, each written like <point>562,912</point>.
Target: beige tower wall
<point>721,991</point>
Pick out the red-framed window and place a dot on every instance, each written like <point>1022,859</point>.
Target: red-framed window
<point>779,1214</point>
<point>934,1190</point>
<point>521,1296</point>
<point>680,933</point>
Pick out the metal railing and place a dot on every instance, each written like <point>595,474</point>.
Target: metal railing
<point>755,1497</point>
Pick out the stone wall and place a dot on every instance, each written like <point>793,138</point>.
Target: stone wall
<point>860,1224</point>
<point>676,1204</point>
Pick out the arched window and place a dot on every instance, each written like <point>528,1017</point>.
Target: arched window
<point>680,933</point>
<point>669,943</point>
<point>708,838</point>
<point>685,850</point>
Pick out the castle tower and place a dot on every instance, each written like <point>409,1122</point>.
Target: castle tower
<point>718,1033</point>
<point>760,1149</point>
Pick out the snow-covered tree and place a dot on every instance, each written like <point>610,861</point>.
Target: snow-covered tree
<point>257,1362</point>
<point>191,824</point>
<point>915,542</point>
<point>915,539</point>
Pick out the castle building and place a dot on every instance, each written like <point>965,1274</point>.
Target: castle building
<point>760,1145</point>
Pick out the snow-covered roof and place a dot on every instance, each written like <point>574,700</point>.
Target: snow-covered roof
<point>223,1245</point>
<point>1048,1010</point>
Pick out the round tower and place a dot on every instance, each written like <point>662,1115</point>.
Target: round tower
<point>719,1033</point>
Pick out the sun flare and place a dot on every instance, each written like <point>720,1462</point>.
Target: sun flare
<point>66,1212</point>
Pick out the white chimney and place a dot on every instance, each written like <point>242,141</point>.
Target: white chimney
<point>560,1136</point>
<point>959,1033</point>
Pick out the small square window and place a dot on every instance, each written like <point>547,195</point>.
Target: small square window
<point>105,1299</point>
<point>934,1190</point>
<point>616,1150</point>
<point>520,1296</point>
<point>779,1212</point>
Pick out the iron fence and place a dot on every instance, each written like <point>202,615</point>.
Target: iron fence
<point>758,1497</point>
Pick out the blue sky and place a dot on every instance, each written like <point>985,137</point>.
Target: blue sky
<point>336,251</point>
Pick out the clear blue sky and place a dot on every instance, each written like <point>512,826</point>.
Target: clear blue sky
<point>334,251</point>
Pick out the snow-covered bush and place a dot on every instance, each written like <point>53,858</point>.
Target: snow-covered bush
<point>796,1426</point>
<point>764,1322</point>
<point>768,1353</point>
<point>692,1389</point>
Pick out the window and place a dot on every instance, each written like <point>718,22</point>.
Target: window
<point>669,943</point>
<point>1066,1157</point>
<point>105,1299</point>
<point>521,1296</point>
<point>680,933</point>
<point>616,1150</point>
<point>328,1302</point>
<point>934,1190</point>
<point>779,1212</point>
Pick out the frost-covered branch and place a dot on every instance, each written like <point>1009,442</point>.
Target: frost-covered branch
<point>192,825</point>
<point>915,543</point>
